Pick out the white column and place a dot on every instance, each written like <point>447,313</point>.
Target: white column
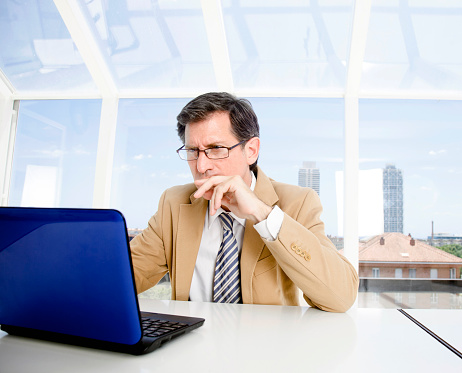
<point>105,154</point>
<point>350,182</point>
<point>7,135</point>
<point>216,35</point>
<point>351,174</point>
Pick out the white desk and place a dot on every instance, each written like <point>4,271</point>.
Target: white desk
<point>249,338</point>
<point>446,324</point>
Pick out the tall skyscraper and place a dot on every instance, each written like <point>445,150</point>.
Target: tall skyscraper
<point>392,199</point>
<point>308,176</point>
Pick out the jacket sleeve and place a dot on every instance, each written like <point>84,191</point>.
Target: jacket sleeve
<point>328,281</point>
<point>148,253</point>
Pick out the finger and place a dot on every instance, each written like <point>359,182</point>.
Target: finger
<point>199,182</point>
<point>226,202</point>
<point>201,189</point>
<point>218,194</point>
<point>215,201</point>
<point>206,194</point>
<point>204,185</point>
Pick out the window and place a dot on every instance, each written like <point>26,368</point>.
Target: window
<point>145,161</point>
<point>291,58</point>
<point>375,272</point>
<point>404,140</point>
<point>38,53</point>
<point>316,136</point>
<point>452,273</point>
<point>55,153</point>
<point>406,162</point>
<point>147,46</point>
<point>288,49</point>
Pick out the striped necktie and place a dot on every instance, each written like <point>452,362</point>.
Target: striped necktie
<point>227,281</point>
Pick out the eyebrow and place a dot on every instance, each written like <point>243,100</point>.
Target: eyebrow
<point>209,146</point>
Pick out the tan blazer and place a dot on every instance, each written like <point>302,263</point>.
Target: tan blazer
<point>271,271</point>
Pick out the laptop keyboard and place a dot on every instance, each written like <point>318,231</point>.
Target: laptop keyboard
<point>158,328</point>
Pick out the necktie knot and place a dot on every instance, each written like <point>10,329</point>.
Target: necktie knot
<point>226,221</point>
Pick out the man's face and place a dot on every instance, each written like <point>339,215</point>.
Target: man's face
<point>215,130</point>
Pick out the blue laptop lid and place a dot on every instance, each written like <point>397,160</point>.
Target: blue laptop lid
<point>68,271</point>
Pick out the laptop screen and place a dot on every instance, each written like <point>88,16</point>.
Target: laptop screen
<point>68,271</point>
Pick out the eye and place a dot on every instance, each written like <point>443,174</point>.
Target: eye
<point>217,152</point>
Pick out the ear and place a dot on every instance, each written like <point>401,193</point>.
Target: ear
<point>252,149</point>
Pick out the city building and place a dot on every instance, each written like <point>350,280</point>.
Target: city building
<point>395,255</point>
<point>337,241</point>
<point>133,232</point>
<point>392,199</point>
<point>309,176</point>
<point>441,239</point>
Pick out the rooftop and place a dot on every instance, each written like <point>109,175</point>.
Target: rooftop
<point>397,247</point>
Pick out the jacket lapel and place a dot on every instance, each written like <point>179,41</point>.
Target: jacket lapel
<point>253,244</point>
<point>189,234</point>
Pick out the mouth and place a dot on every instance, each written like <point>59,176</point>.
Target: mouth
<point>205,175</point>
<point>200,177</point>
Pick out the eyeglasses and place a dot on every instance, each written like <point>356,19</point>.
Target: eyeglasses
<point>217,152</point>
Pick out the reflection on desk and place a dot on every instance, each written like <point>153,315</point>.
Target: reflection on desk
<point>253,338</point>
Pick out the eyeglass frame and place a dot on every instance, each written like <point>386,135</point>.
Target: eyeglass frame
<point>205,151</point>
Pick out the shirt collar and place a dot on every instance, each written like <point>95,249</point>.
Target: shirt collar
<point>211,219</point>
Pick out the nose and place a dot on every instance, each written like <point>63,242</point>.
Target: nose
<point>203,163</point>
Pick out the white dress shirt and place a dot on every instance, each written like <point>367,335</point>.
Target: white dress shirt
<point>212,235</point>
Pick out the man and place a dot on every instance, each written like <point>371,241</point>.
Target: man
<point>273,234</point>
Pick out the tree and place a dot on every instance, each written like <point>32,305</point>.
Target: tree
<point>453,249</point>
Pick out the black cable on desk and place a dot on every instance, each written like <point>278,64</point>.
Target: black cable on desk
<point>439,339</point>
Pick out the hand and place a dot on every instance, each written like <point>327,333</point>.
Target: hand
<point>234,194</point>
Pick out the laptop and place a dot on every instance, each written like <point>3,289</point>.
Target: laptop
<point>66,276</point>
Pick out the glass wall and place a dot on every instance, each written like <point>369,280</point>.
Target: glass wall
<point>55,153</point>
<point>413,147</point>
<point>37,51</point>
<point>413,46</point>
<point>294,131</point>
<point>292,45</point>
<point>147,46</point>
<point>422,139</point>
<point>145,161</point>
<point>292,59</point>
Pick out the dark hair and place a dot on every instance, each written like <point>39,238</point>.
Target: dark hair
<point>244,122</point>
